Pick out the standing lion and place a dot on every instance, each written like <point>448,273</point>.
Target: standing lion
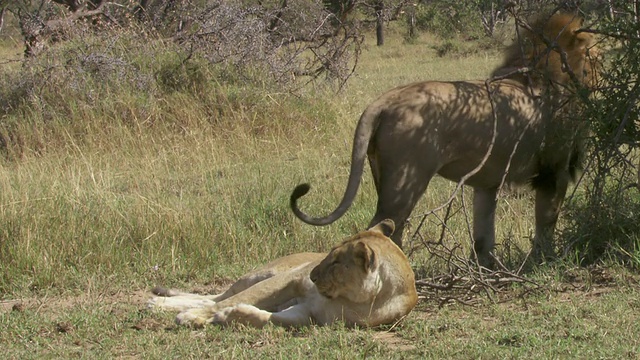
<point>513,130</point>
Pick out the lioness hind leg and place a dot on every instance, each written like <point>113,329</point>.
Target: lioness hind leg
<point>171,299</point>
<point>179,302</point>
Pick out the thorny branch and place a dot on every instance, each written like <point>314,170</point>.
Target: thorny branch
<point>467,284</point>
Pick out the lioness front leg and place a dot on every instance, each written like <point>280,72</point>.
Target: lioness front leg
<point>242,314</point>
<point>293,316</point>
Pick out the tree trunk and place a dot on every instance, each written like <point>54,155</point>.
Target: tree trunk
<point>379,8</point>
<point>412,23</point>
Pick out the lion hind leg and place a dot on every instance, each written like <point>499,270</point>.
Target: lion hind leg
<point>549,201</point>
<point>167,292</point>
<point>279,266</point>
<point>399,190</point>
<point>172,299</point>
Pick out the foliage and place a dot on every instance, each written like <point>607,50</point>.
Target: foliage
<point>287,40</point>
<point>447,18</point>
<point>467,19</point>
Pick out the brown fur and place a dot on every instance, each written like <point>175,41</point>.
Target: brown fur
<point>366,280</point>
<point>414,132</point>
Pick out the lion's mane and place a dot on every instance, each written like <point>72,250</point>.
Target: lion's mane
<point>556,49</point>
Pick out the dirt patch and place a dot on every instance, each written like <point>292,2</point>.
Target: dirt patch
<point>59,304</point>
<point>394,341</point>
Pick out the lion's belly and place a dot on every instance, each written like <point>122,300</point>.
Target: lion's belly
<point>500,167</point>
<point>490,177</point>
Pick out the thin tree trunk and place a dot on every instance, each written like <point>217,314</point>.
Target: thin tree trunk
<point>379,8</point>
<point>2,17</point>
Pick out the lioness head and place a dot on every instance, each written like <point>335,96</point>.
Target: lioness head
<point>350,270</point>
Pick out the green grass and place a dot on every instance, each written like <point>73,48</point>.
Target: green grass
<point>188,187</point>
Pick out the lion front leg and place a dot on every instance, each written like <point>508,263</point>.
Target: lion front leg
<point>239,313</point>
<point>548,203</point>
<point>484,232</point>
<point>271,294</point>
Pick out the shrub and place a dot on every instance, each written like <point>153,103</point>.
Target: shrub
<point>603,221</point>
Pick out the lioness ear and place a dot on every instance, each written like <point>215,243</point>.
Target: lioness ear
<point>366,254</point>
<point>385,227</point>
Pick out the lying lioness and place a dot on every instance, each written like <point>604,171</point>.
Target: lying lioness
<point>366,280</point>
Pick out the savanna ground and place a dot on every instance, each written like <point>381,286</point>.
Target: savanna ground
<point>102,199</point>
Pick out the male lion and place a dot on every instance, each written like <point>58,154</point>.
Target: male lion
<point>511,130</point>
<point>366,280</point>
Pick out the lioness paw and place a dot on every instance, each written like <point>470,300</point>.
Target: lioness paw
<point>242,314</point>
<point>196,318</point>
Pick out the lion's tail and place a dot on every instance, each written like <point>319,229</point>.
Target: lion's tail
<point>367,126</point>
